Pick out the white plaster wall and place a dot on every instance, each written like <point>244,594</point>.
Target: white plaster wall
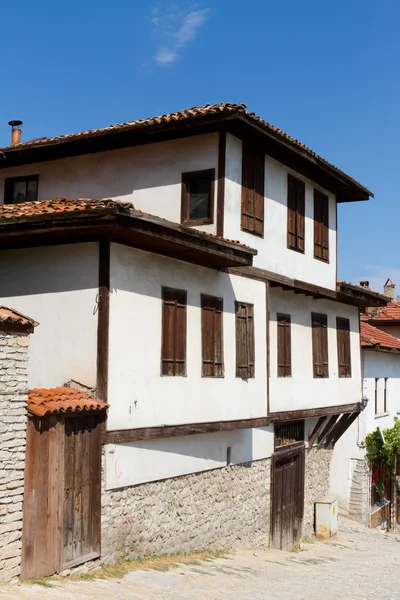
<point>273,253</point>
<point>140,462</point>
<point>375,364</point>
<point>56,286</point>
<point>138,395</point>
<point>302,390</point>
<point>150,176</point>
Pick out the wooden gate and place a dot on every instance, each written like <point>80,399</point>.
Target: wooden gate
<point>62,496</point>
<point>287,496</point>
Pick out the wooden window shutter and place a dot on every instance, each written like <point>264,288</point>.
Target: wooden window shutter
<point>212,341</point>
<point>253,176</point>
<point>245,345</point>
<point>343,344</point>
<point>284,346</point>
<point>296,214</point>
<point>321,226</point>
<point>173,346</point>
<point>320,345</point>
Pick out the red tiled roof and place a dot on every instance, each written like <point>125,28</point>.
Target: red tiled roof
<point>10,213</point>
<point>372,336</point>
<point>62,400</point>
<point>8,316</point>
<point>391,312</point>
<point>191,114</point>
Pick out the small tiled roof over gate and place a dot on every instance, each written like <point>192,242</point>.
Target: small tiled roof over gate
<point>61,400</point>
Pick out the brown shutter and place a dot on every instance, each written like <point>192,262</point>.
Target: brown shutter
<point>253,175</point>
<point>245,347</point>
<point>211,326</point>
<point>173,345</point>
<point>343,343</point>
<point>284,346</point>
<point>321,225</point>
<point>259,175</point>
<point>320,345</point>
<point>296,213</point>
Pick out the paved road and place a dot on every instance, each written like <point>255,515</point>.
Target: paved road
<point>358,564</point>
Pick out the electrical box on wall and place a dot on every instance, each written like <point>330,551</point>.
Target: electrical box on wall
<point>326,517</point>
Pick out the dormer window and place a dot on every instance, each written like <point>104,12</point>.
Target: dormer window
<point>198,197</point>
<point>21,189</point>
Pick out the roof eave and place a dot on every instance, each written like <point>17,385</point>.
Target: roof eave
<point>357,296</point>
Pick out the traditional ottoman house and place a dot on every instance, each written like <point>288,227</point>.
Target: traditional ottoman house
<point>197,297</point>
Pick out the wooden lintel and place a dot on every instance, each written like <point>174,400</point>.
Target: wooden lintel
<point>295,415</point>
<point>152,433</point>
<point>327,429</point>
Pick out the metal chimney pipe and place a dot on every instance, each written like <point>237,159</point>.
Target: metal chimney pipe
<point>16,132</point>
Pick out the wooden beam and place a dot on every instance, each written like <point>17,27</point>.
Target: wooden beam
<point>267,341</point>
<point>103,318</point>
<point>221,183</point>
<point>295,415</point>
<point>152,433</point>
<point>327,429</point>
<point>341,427</point>
<point>316,431</point>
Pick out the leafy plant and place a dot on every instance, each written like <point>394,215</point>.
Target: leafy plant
<point>380,487</point>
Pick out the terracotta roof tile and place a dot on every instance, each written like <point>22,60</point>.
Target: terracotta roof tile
<point>391,312</point>
<point>62,400</point>
<point>223,108</point>
<point>8,316</point>
<point>372,336</point>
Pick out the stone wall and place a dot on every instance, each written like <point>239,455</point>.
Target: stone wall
<point>220,509</point>
<point>316,485</point>
<point>13,388</point>
<point>359,497</point>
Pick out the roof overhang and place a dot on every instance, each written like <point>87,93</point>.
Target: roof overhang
<point>126,226</point>
<point>236,120</point>
<point>359,296</point>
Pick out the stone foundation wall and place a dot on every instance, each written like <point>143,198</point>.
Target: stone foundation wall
<point>316,484</point>
<point>13,387</point>
<point>223,508</point>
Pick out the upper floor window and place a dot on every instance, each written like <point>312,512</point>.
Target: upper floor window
<point>197,206</point>
<point>284,346</point>
<point>319,325</point>
<point>321,226</point>
<point>21,189</point>
<point>211,336</point>
<point>296,211</point>
<point>244,340</point>
<point>173,344</point>
<point>343,344</point>
<point>253,172</point>
<point>381,385</point>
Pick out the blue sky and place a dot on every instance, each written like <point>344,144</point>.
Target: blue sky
<point>327,73</point>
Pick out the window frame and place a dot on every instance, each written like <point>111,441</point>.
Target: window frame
<point>296,209</point>
<point>185,197</point>
<point>385,396</point>
<point>319,323</point>
<point>216,305</point>
<point>321,201</point>
<point>245,371</point>
<point>165,360</point>
<point>252,207</point>
<point>343,337</point>
<point>284,352</point>
<point>9,187</point>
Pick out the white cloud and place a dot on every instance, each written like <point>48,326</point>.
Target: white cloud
<point>174,28</point>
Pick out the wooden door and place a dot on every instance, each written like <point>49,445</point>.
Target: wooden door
<point>287,498</point>
<point>82,489</point>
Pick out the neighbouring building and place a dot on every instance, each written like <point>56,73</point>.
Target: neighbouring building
<point>196,298</point>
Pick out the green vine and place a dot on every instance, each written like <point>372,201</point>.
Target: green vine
<point>381,450</point>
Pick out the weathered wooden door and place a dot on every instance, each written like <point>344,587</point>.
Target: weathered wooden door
<point>62,496</point>
<point>287,497</point>
<point>82,489</point>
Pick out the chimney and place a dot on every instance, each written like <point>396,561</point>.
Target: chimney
<point>15,132</point>
<point>388,289</point>
<point>364,283</point>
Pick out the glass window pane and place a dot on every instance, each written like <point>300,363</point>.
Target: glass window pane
<point>32,191</point>
<point>200,198</point>
<point>19,192</point>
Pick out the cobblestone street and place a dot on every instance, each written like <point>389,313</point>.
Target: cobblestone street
<point>357,564</point>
